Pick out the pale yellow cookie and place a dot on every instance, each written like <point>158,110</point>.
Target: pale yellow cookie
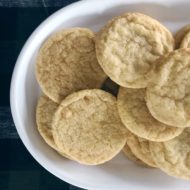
<point>137,118</point>
<point>110,86</point>
<point>140,148</point>
<point>44,115</point>
<point>67,63</point>
<point>185,43</point>
<point>173,156</point>
<point>168,94</point>
<point>87,127</point>
<point>129,154</point>
<point>180,35</point>
<point>128,46</point>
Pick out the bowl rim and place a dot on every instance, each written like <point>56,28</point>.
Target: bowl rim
<point>14,111</point>
<point>13,105</point>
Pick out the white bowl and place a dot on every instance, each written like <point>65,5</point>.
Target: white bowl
<point>118,173</point>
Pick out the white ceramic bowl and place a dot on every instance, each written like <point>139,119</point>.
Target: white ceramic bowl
<point>118,173</point>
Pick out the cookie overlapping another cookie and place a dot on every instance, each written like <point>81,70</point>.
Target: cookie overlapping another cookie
<point>150,117</point>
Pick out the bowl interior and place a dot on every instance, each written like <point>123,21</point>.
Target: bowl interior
<point>119,173</point>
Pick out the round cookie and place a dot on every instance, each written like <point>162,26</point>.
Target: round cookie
<point>129,154</point>
<point>173,157</point>
<point>110,86</point>
<point>44,115</point>
<point>140,148</point>
<point>180,35</point>
<point>128,46</point>
<point>137,118</point>
<point>67,63</point>
<point>185,43</point>
<point>168,93</point>
<point>87,127</point>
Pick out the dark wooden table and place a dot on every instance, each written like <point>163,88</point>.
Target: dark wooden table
<point>18,169</point>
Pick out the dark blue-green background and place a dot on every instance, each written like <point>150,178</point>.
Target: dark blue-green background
<point>18,170</point>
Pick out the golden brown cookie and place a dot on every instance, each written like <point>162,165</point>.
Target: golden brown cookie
<point>173,156</point>
<point>129,154</point>
<point>110,86</point>
<point>44,115</point>
<point>140,148</point>
<point>128,46</point>
<point>180,35</point>
<point>67,63</point>
<point>137,118</point>
<point>87,127</point>
<point>168,94</point>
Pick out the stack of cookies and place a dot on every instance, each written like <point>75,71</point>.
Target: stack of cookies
<point>79,73</point>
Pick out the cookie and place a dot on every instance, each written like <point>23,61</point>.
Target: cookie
<point>87,127</point>
<point>168,94</point>
<point>110,86</point>
<point>185,43</point>
<point>180,35</point>
<point>129,154</point>
<point>128,46</point>
<point>137,118</point>
<point>140,148</point>
<point>173,156</point>
<point>67,63</point>
<point>44,115</point>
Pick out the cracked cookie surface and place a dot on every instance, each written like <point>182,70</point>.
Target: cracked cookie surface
<point>173,156</point>
<point>128,46</point>
<point>87,127</point>
<point>140,148</point>
<point>137,118</point>
<point>67,63</point>
<point>168,94</point>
